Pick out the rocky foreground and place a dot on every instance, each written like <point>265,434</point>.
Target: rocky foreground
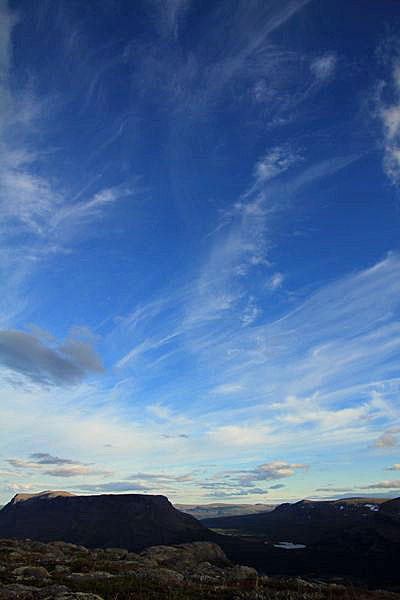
<point>31,570</point>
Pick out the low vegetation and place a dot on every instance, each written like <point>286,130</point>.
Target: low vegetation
<point>32,570</point>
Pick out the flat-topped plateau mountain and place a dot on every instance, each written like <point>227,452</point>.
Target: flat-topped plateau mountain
<point>132,521</point>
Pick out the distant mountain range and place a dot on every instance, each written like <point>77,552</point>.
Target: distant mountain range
<point>217,509</point>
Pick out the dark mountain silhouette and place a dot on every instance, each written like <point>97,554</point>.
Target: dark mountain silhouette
<point>131,521</point>
<point>309,521</point>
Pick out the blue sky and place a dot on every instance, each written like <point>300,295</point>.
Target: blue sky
<point>199,249</point>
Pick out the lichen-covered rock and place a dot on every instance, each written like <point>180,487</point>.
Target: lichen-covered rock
<point>181,557</point>
<point>28,571</point>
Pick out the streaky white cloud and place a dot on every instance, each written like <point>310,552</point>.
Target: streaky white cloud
<point>226,389</point>
<point>212,71</point>
<point>77,214</point>
<point>40,215</point>
<point>166,414</point>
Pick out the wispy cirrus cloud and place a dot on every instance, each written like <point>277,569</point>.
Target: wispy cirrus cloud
<point>41,215</point>
<point>226,389</point>
<point>335,335</point>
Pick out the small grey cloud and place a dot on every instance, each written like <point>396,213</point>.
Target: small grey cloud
<point>390,485</point>
<point>277,486</point>
<point>113,486</point>
<point>43,458</point>
<point>395,467</point>
<point>83,354</point>
<point>160,477</point>
<point>270,471</point>
<point>235,494</point>
<point>333,489</point>
<point>76,471</point>
<point>31,356</point>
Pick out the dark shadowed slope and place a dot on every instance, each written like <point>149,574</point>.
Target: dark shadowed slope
<point>357,538</point>
<point>310,521</point>
<point>132,521</point>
